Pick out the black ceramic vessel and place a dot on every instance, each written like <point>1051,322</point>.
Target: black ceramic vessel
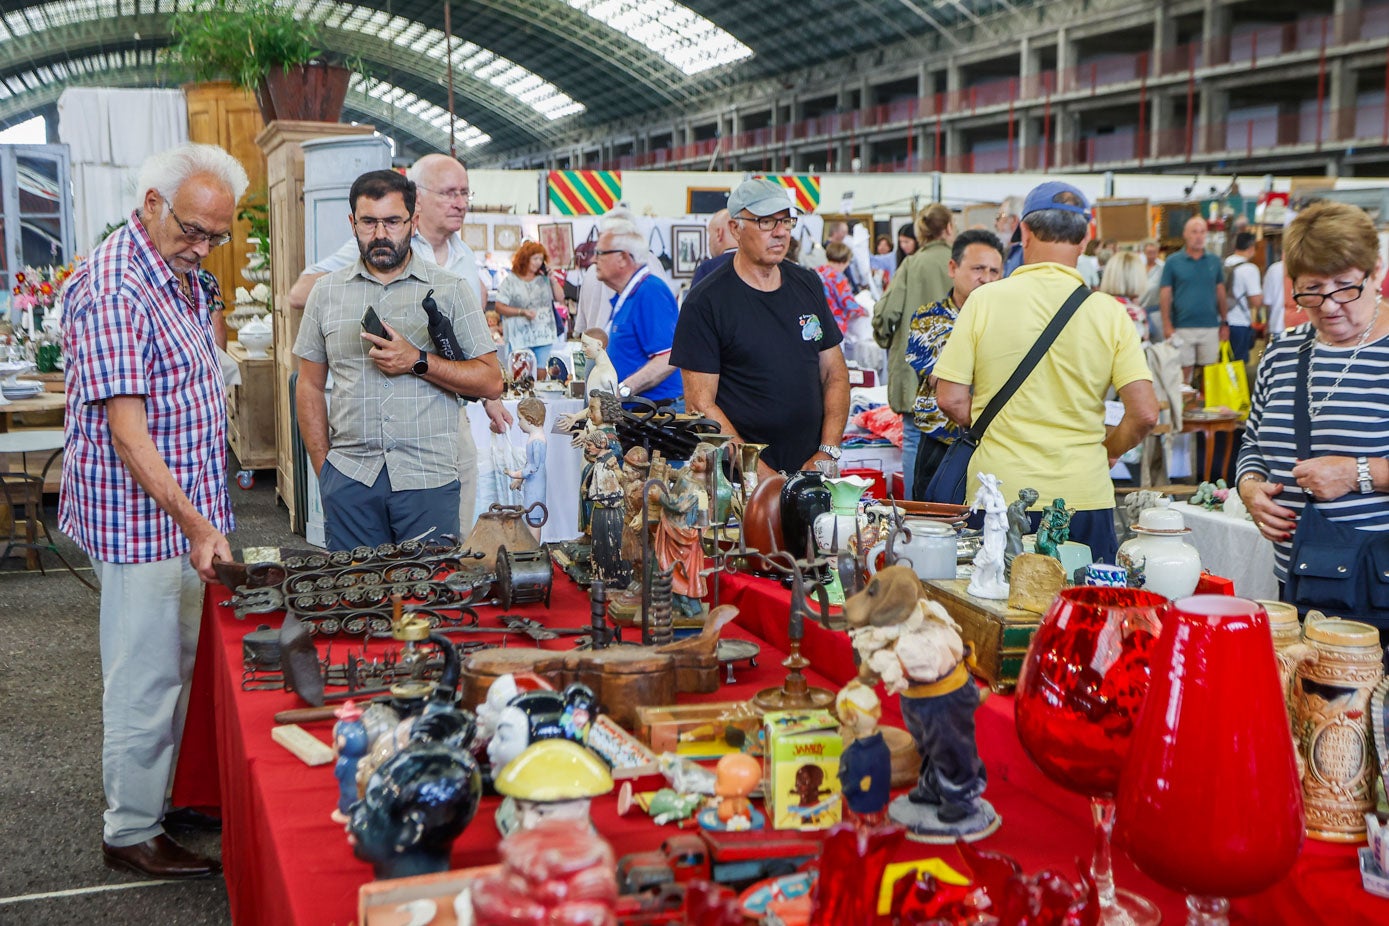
<point>803,497</point>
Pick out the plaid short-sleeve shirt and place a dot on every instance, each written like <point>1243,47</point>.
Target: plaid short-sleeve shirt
<point>404,423</point>
<point>129,330</point>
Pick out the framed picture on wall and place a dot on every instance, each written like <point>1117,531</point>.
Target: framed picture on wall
<point>474,235</point>
<point>506,237</point>
<point>705,200</point>
<point>689,249</point>
<point>558,241</point>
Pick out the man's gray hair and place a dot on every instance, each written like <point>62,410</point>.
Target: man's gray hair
<point>168,170</point>
<point>1057,225</point>
<point>625,236</point>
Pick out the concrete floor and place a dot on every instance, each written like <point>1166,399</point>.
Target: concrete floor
<point>51,802</point>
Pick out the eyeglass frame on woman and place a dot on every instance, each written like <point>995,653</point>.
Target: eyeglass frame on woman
<point>448,194</point>
<point>787,221</point>
<point>196,235</point>
<point>1322,297</point>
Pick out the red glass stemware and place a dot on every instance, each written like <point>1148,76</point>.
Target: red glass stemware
<point>1210,801</point>
<point>1078,698</point>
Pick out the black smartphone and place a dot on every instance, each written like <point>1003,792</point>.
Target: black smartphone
<point>371,324</point>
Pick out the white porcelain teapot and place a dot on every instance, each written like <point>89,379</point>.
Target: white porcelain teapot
<point>1170,566</point>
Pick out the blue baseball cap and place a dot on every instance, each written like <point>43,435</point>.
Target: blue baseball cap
<point>1044,196</point>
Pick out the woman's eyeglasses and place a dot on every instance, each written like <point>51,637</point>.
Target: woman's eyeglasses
<point>1339,296</point>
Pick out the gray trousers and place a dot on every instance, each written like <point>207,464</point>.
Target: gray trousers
<point>467,474</point>
<point>150,616</point>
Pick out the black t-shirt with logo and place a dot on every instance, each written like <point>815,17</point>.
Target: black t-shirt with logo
<point>765,348</point>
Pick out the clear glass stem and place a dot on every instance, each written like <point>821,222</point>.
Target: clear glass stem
<point>1102,862</point>
<point>1207,911</point>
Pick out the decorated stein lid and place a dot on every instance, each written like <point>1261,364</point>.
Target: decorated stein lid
<point>1340,632</point>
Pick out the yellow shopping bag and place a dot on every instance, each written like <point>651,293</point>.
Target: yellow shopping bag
<point>1227,384</point>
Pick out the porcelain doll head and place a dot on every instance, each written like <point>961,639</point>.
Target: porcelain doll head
<point>510,738</point>
<point>530,411</point>
<point>858,708</point>
<point>594,341</point>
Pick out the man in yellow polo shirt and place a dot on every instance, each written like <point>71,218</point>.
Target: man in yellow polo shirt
<point>1051,434</point>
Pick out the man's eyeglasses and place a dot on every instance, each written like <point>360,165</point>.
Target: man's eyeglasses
<point>192,234</point>
<point>450,194</point>
<point>768,222</point>
<point>391,225</point>
<point>1339,296</point>
<point>601,253</point>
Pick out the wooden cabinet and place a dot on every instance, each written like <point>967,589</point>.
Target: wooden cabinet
<point>284,162</point>
<point>221,114</point>
<point>251,410</point>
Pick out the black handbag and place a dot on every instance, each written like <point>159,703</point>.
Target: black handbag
<point>663,255</point>
<point>1332,567</point>
<point>948,483</point>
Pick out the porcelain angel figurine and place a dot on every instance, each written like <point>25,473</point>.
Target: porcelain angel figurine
<point>988,581</point>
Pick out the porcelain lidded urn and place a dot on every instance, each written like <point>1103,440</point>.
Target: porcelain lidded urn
<point>1169,565</point>
<point>836,527</point>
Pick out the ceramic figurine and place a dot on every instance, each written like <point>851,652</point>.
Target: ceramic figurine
<point>1054,529</point>
<point>736,776</point>
<point>530,479</point>
<point>865,766</point>
<point>600,375</point>
<point>1210,495</point>
<point>911,644</point>
<point>604,496</point>
<point>557,872</point>
<point>535,715</point>
<point>678,549</point>
<point>1160,555</point>
<point>552,779</point>
<point>417,803</point>
<point>350,744</point>
<point>987,581</point>
<point>1019,525</point>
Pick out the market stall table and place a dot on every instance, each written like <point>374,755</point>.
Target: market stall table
<point>286,862</point>
<point>1233,548</point>
<point>44,402</point>
<point>1209,425</point>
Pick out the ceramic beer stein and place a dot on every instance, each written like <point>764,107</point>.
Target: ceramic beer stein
<point>1331,723</point>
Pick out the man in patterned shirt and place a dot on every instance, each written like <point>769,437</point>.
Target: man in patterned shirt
<point>144,488</point>
<point>387,455</point>
<point>976,258</point>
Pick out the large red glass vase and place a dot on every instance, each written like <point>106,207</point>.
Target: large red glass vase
<point>1078,698</point>
<point>1210,801</point>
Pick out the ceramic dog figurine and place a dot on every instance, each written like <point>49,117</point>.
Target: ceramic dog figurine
<point>914,647</point>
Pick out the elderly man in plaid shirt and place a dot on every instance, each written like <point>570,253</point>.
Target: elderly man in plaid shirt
<point>386,453</point>
<point>144,489</point>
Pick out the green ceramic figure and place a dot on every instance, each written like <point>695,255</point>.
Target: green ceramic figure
<point>1054,529</point>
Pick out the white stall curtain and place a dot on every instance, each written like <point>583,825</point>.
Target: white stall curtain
<point>109,133</point>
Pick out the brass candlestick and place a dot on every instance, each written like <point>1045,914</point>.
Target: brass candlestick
<point>796,693</point>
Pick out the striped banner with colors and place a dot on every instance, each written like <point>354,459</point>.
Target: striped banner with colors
<point>584,192</point>
<point>806,187</point>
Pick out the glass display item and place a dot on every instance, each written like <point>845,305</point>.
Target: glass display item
<point>1078,697</point>
<point>1210,802</point>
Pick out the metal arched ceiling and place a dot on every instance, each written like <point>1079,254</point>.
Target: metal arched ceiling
<point>525,71</point>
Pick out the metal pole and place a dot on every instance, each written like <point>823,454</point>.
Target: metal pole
<point>448,51</point>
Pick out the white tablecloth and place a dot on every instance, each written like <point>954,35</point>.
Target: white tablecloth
<point>1233,548</point>
<point>563,463</point>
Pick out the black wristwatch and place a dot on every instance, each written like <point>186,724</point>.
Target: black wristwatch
<point>421,366</point>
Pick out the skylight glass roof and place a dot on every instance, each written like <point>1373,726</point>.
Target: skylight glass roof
<point>677,33</point>
<point>470,136</point>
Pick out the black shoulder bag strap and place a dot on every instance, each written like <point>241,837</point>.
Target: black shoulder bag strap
<point>1302,416</point>
<point>1068,309</point>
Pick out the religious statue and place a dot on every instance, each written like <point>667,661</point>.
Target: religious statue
<point>678,549</point>
<point>530,478</point>
<point>987,581</point>
<point>1019,525</point>
<point>603,496</point>
<point>1054,529</point>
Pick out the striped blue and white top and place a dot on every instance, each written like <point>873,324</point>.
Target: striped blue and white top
<point>1353,422</point>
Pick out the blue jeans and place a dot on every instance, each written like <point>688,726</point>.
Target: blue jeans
<point>357,515</point>
<point>911,439</point>
<point>1241,342</point>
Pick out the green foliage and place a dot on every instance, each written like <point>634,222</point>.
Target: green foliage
<point>242,40</point>
<point>255,211</point>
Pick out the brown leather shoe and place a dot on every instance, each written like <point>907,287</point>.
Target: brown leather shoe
<point>159,857</point>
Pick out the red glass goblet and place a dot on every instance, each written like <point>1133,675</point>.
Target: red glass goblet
<point>1210,802</point>
<point>1078,697</point>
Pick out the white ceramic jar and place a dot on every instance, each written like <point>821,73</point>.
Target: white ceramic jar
<point>255,336</point>
<point>1170,566</point>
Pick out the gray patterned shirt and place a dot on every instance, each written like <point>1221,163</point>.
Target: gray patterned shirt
<point>401,422</point>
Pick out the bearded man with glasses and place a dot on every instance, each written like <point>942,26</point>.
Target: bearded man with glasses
<point>386,454</point>
<point>757,346</point>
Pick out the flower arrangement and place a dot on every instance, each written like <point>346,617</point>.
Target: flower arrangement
<point>32,303</point>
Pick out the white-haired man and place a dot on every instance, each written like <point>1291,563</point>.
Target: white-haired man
<point>144,486</point>
<point>643,317</point>
<point>441,207</point>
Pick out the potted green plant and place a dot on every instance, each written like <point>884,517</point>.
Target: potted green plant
<point>265,48</point>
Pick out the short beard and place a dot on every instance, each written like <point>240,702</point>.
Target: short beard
<point>371,253</point>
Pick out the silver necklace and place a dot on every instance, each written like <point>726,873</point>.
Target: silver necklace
<point>1364,336</point>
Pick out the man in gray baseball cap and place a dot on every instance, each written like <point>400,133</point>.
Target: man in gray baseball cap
<point>757,345</point>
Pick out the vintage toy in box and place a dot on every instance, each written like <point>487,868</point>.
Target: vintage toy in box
<point>701,731</point>
<point>800,769</point>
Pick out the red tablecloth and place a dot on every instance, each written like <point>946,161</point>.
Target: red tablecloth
<point>287,862</point>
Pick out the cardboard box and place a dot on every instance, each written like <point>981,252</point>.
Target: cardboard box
<point>381,903</point>
<point>701,731</point>
<point>800,771</point>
